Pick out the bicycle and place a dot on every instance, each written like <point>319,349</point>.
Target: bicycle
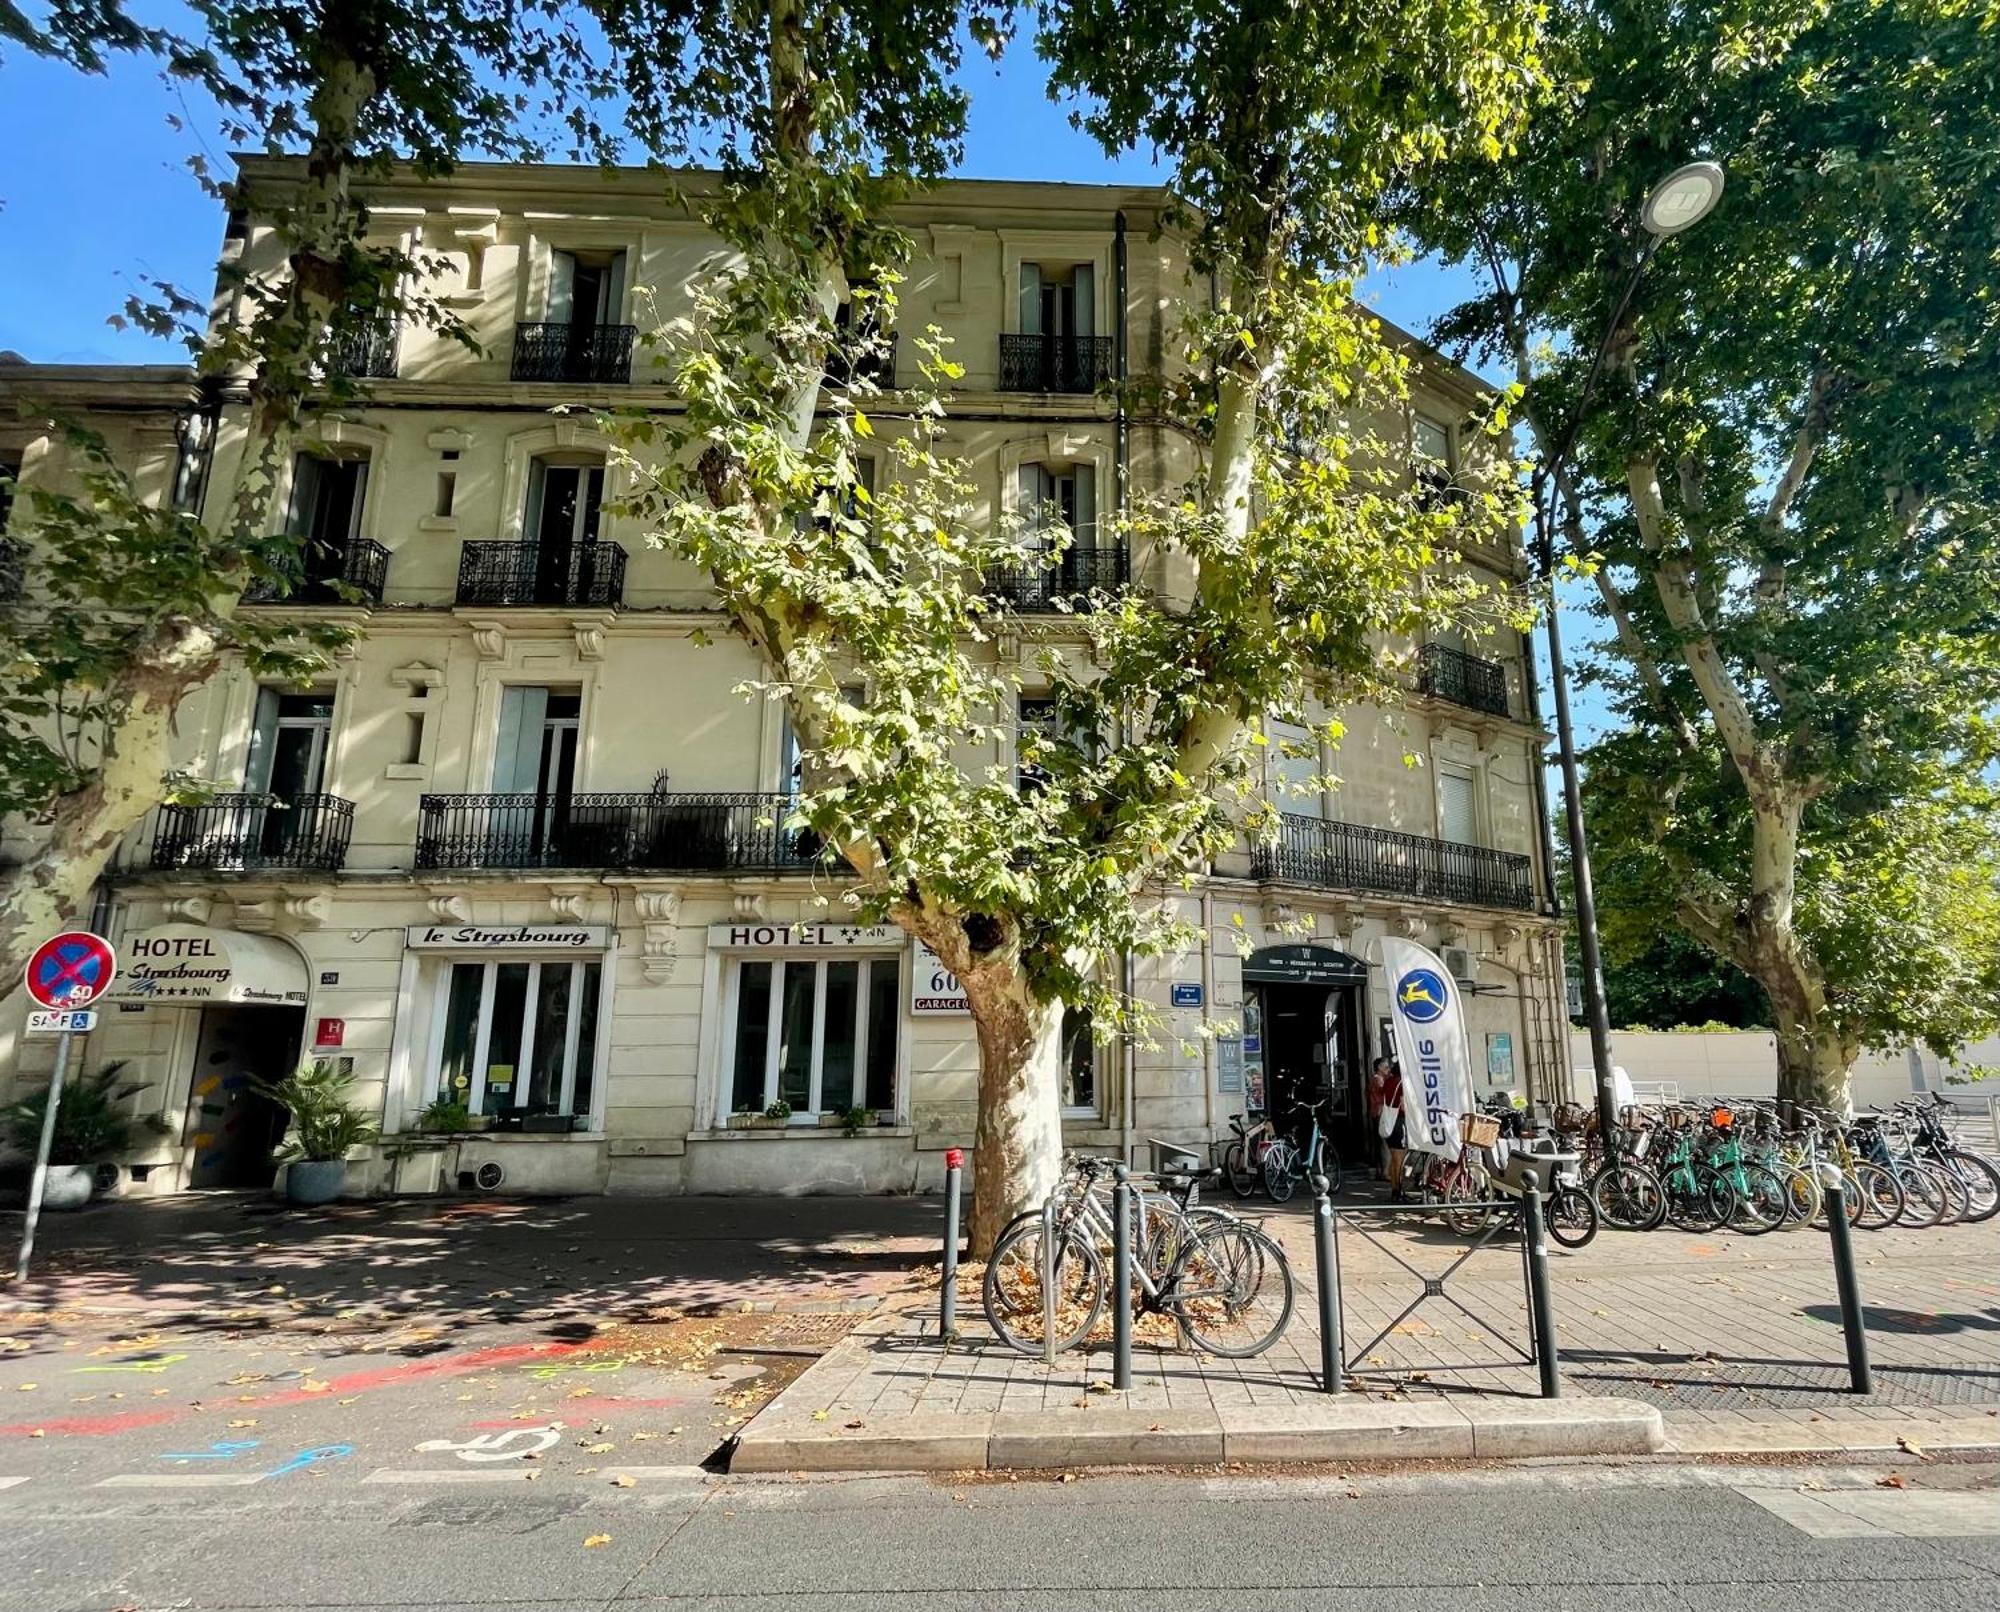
<point>1980,1177</point>
<point>1286,1164</point>
<point>1227,1286</point>
<point>1243,1159</point>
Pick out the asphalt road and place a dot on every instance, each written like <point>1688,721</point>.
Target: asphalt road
<point>1634,1538</point>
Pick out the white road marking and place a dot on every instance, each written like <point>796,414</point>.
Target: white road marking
<point>1881,1513</point>
<point>177,1480</point>
<point>8,1483</point>
<point>654,1472</point>
<point>451,1474</point>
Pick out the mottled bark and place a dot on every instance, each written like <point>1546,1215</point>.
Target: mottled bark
<point>1017,1148</point>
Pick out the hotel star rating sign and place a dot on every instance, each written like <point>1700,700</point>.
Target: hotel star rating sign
<point>65,975</point>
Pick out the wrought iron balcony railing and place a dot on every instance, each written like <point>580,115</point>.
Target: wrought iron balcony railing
<point>1452,674</point>
<point>591,355</point>
<point>367,353</point>
<point>345,571</point>
<point>243,833</point>
<point>538,574</point>
<point>655,832</point>
<point>1351,856</point>
<point>1067,584</point>
<point>1054,363</point>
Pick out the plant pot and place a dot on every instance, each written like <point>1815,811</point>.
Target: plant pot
<point>311,1181</point>
<point>67,1186</point>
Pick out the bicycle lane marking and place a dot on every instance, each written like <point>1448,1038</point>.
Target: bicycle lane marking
<point>333,1387</point>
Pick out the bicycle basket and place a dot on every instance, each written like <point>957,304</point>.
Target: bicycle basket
<point>1721,1119</point>
<point>1479,1130</point>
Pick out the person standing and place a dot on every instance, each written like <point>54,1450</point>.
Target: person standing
<point>1377,1091</point>
<point>1392,1098</point>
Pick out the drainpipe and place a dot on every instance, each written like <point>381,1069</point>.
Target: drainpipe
<point>1119,279</point>
<point>1531,687</point>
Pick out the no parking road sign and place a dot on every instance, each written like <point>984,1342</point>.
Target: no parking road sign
<point>72,970</point>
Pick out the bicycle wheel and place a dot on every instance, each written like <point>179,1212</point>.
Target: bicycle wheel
<point>1012,1292</point>
<point>1982,1184</point>
<point>1280,1177</point>
<point>1236,1165</point>
<point>1329,1164</point>
<point>1699,1199</point>
<point>1232,1291</point>
<point>1923,1198</point>
<point>1571,1216</point>
<point>1462,1192</point>
<point>1760,1201</point>
<point>1957,1200</point>
<point>1804,1201</point>
<point>1879,1195</point>
<point>1628,1197</point>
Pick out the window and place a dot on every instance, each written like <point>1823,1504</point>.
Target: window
<point>586,288</point>
<point>1430,443</point>
<point>1079,1060</point>
<point>1294,770</point>
<point>1052,497</point>
<point>518,1040</point>
<point>818,1034</point>
<point>565,504</point>
<point>1458,808</point>
<point>288,743</point>
<point>536,750</point>
<point>1058,299</point>
<point>327,496</point>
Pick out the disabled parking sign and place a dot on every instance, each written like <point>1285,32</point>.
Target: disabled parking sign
<point>71,971</point>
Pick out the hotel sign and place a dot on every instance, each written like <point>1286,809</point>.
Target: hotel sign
<point>508,937</point>
<point>757,937</point>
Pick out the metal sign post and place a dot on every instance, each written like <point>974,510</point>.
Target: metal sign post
<point>65,975</point>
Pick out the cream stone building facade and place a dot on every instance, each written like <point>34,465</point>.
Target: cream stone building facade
<point>523,843</point>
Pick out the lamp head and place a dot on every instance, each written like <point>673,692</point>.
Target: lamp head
<point>1682,199</point>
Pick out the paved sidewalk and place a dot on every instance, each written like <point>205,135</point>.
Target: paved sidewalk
<point>1735,1342</point>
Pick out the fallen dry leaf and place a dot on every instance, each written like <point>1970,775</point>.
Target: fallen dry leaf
<point>1895,1480</point>
<point>1913,1448</point>
<point>624,1480</point>
<point>819,1416</point>
<point>595,1540</point>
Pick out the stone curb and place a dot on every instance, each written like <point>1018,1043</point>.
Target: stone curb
<point>1337,1431</point>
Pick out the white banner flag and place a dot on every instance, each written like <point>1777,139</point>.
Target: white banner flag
<point>1432,1047</point>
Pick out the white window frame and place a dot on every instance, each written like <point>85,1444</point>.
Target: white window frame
<point>1475,781</point>
<point>1449,462</point>
<point>1094,1109</point>
<point>475,1096</point>
<point>774,1029</point>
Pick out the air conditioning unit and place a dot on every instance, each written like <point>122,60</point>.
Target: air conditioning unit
<point>1463,965</point>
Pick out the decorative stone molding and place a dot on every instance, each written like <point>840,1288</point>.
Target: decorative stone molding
<point>190,909</point>
<point>569,904</point>
<point>451,906</point>
<point>1408,924</point>
<point>417,675</point>
<point>1507,936</point>
<point>1278,915</point>
<point>588,632</point>
<point>660,912</point>
<point>748,904</point>
<point>1344,921</point>
<point>1450,931</point>
<point>489,638</point>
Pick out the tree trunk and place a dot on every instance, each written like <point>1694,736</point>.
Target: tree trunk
<point>1017,1149</point>
<point>1814,1060</point>
<point>48,890</point>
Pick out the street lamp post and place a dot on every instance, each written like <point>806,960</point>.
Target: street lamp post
<point>1681,200</point>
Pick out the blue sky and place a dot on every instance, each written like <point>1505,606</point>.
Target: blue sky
<point>96,199</point>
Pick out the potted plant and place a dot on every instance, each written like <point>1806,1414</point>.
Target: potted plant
<point>325,1128</point>
<point>90,1128</point>
<point>447,1115</point>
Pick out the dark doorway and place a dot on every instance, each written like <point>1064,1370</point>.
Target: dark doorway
<point>233,1128</point>
<point>1311,1000</point>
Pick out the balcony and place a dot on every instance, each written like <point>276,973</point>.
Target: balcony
<point>1349,856</point>
<point>1054,363</point>
<point>1451,674</point>
<point>585,355</point>
<point>1038,586</point>
<point>246,833</point>
<point>591,574</point>
<point>344,572</point>
<point>366,353</point>
<point>651,832</point>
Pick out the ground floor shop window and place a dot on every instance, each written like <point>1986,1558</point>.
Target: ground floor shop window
<point>818,1035</point>
<point>519,1041</point>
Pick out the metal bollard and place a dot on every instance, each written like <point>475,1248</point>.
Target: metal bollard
<point>1332,1373</point>
<point>1049,1282</point>
<point>954,1172</point>
<point>1860,1377</point>
<point>1121,1277</point>
<point>1540,1305</point>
